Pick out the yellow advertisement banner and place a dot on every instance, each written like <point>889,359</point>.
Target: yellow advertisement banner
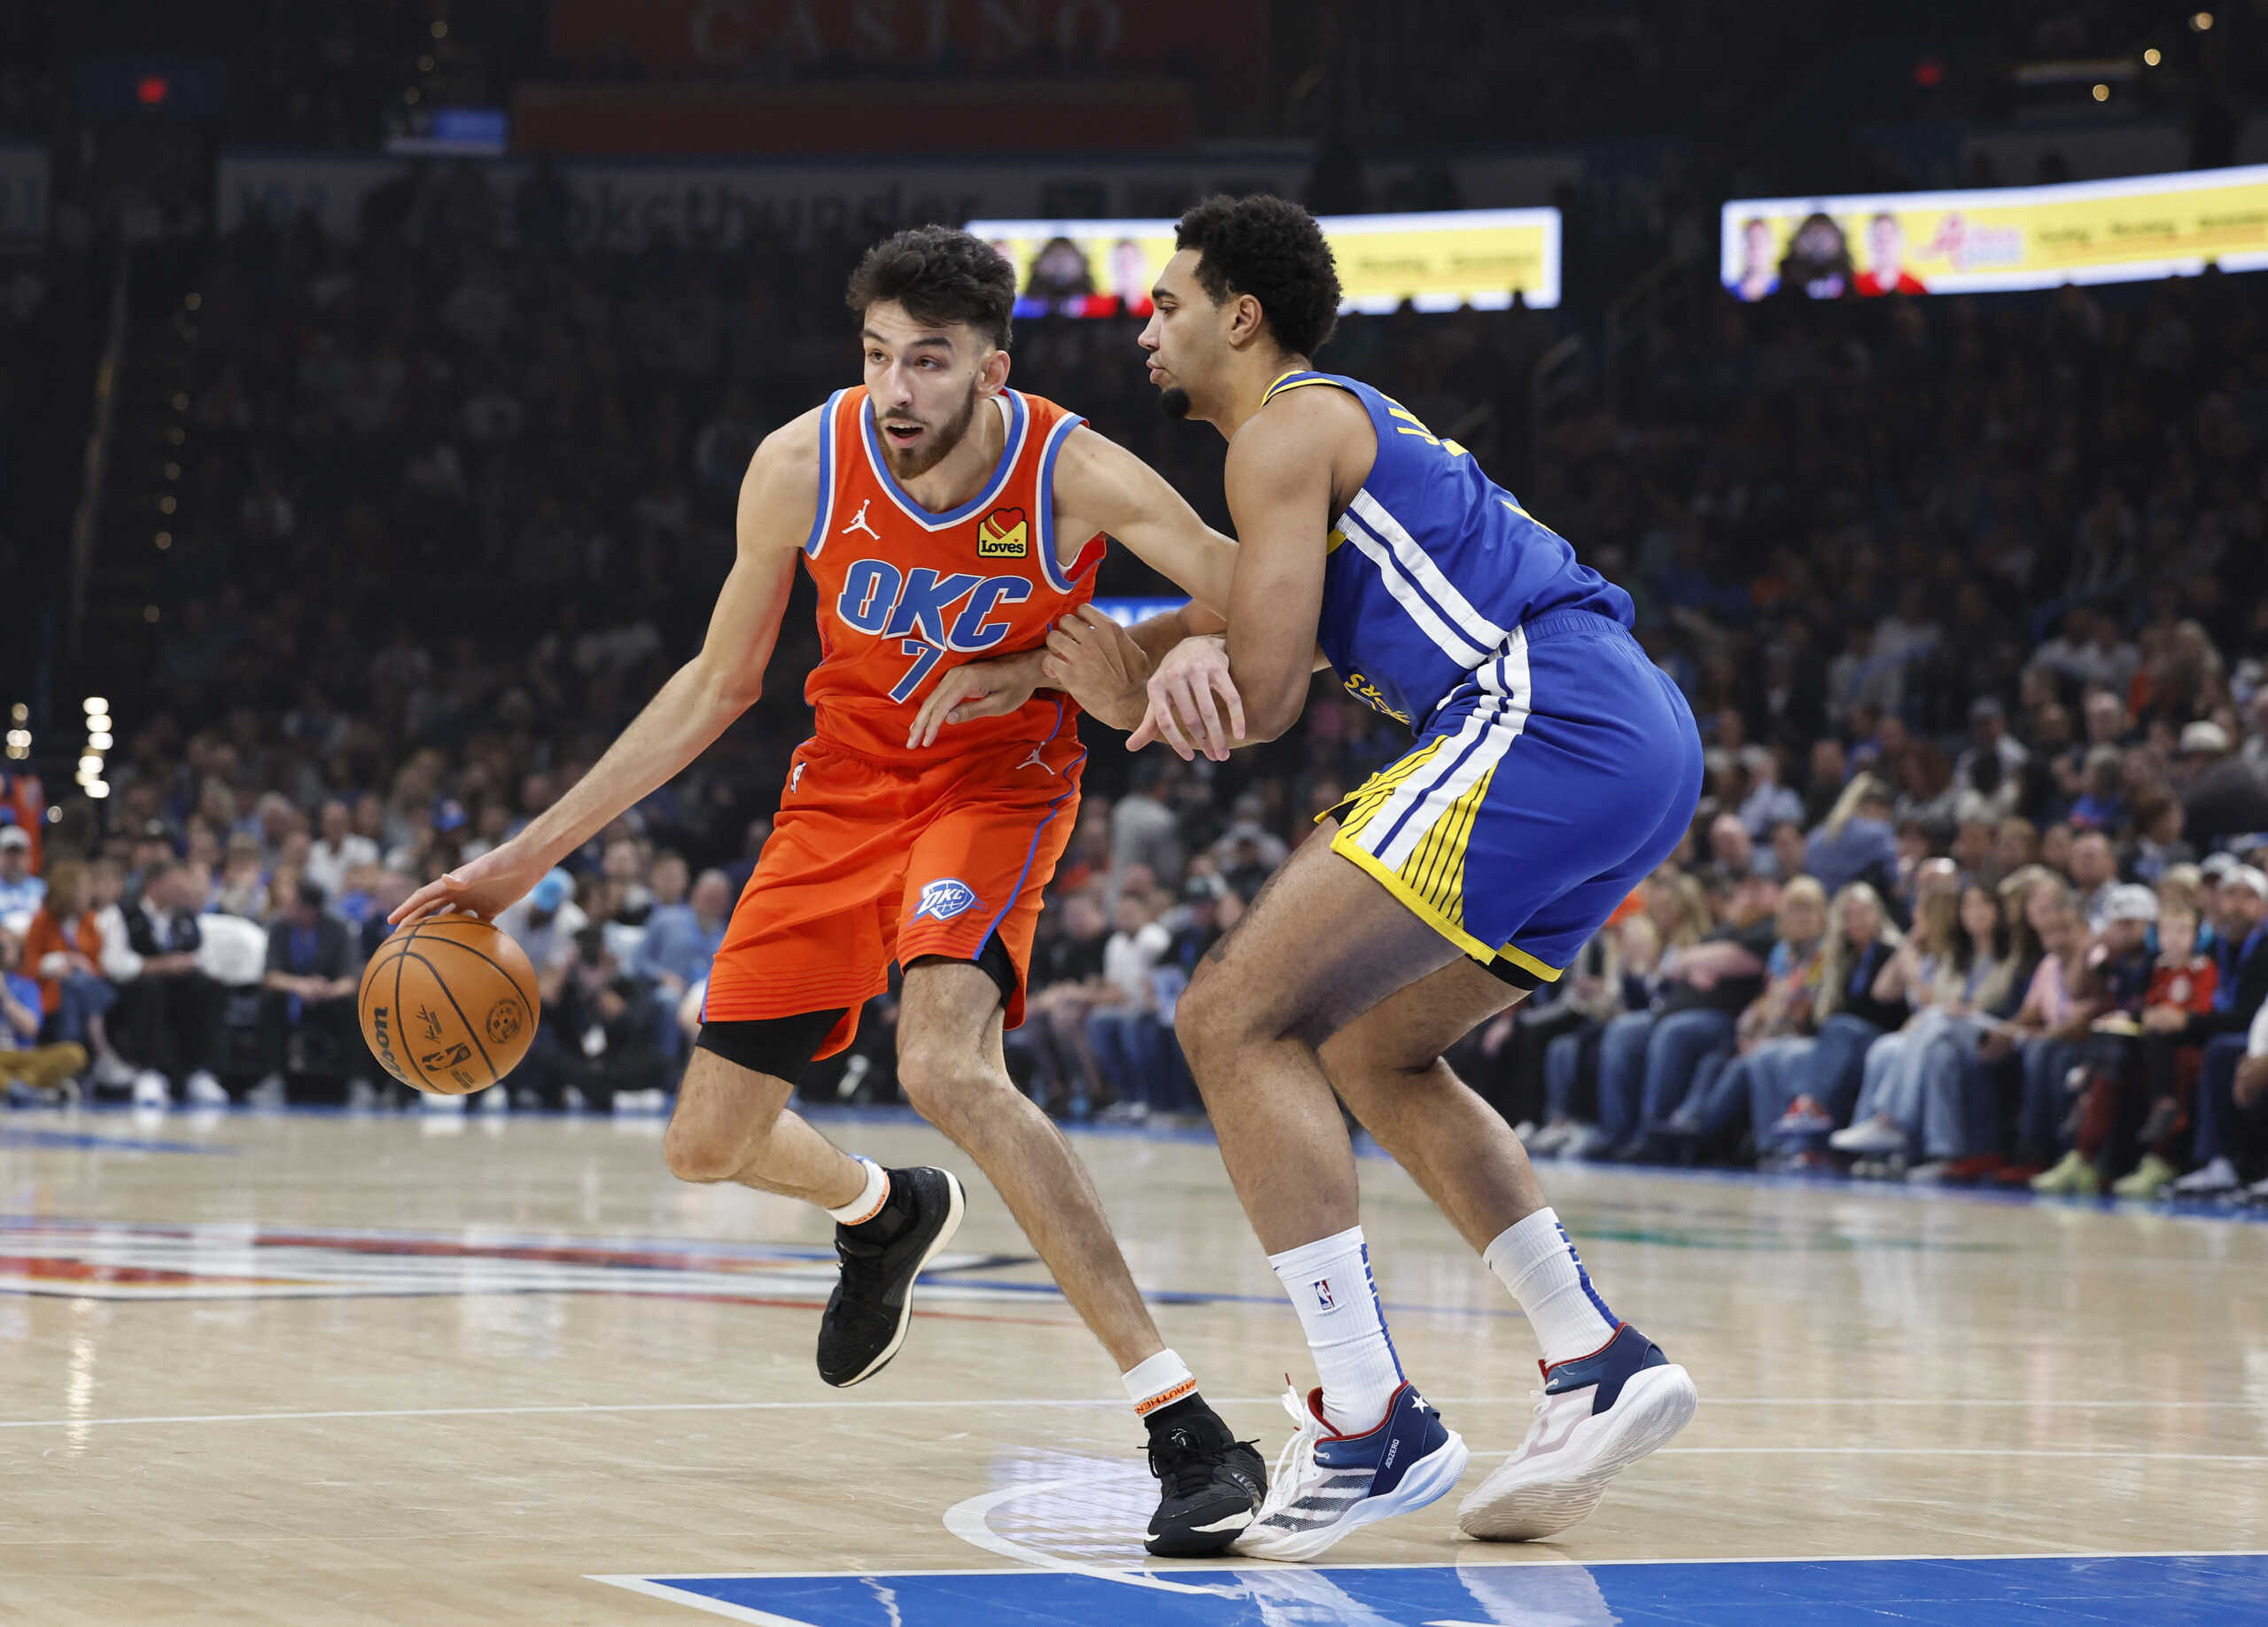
<point>1438,262</point>
<point>2134,230</point>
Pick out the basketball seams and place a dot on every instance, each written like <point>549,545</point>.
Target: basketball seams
<point>495,1078</point>
<point>401,955</point>
<point>527,996</point>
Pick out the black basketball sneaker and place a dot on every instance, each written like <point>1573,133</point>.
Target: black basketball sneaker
<point>873,1299</point>
<point>1209,1483</point>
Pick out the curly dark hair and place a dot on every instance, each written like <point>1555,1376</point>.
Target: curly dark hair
<point>1271,249</point>
<point>941,277</point>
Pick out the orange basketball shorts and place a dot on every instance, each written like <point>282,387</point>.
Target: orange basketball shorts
<point>870,863</point>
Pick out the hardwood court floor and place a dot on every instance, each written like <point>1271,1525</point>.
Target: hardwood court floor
<point>330,1369</point>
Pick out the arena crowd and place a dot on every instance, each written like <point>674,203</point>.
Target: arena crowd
<point>1971,598</point>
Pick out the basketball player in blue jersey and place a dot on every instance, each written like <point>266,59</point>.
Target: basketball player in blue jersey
<point>1554,767</point>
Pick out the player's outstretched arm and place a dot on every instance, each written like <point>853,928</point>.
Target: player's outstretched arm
<point>701,699</point>
<point>1102,487</point>
<point>1280,486</point>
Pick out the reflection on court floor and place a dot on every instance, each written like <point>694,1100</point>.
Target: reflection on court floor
<point>2166,1591</point>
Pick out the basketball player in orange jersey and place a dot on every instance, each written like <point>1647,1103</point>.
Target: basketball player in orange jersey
<point>948,522</point>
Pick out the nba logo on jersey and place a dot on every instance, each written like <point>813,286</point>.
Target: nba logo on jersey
<point>942,900</point>
<point>1322,1299</point>
<point>1004,533</point>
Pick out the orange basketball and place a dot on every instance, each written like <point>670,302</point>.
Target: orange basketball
<point>450,1005</point>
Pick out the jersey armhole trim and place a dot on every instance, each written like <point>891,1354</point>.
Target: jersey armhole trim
<point>823,515</point>
<point>1045,504</point>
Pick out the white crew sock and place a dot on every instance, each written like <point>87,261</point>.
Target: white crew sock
<point>871,1197</point>
<point>1536,1259</point>
<point>1330,1284</point>
<point>1161,1380</point>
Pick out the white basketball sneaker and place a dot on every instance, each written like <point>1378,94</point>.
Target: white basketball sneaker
<point>1597,1415</point>
<point>1327,1484</point>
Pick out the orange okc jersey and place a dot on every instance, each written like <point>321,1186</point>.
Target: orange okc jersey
<point>880,853</point>
<point>904,594</point>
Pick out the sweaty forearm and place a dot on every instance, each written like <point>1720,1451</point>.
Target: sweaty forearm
<point>679,724</point>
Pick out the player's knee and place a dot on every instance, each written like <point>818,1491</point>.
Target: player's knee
<point>945,1087</point>
<point>706,1154</point>
<point>1205,1018</point>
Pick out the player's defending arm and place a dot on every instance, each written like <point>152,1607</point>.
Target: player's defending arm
<point>1281,493</point>
<point>698,703</point>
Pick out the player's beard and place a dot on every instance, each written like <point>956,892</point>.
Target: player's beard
<point>912,465</point>
<point>1175,399</point>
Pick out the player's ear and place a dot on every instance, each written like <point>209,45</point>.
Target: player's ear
<point>993,373</point>
<point>1245,317</point>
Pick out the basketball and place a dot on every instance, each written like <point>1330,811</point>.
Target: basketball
<point>450,1005</point>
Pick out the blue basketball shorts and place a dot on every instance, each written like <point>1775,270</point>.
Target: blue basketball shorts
<point>1542,791</point>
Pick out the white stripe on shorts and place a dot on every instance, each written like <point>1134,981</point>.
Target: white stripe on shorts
<point>1495,724</point>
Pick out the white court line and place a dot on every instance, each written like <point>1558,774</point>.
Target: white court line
<point>1544,1559</point>
<point>594,1408</point>
<point>967,1520</point>
<point>714,1606</point>
<point>598,1408</point>
<point>1935,1451</point>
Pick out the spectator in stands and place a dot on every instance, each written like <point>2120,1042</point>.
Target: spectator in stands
<point>1608,979</point>
<point>1855,841</point>
<point>20,891</point>
<point>63,951</point>
<point>1801,1089</point>
<point>546,924</point>
<point>2224,796</point>
<point>682,934</point>
<point>168,1011</point>
<point>597,1038</point>
<point>2049,1031</point>
<point>338,851</point>
<point>1732,856</point>
<point>2182,986</point>
<point>1648,1059</point>
<point>1123,1026</point>
<point>31,1071</point>
<point>310,1032</point>
<point>1067,982</point>
<point>1777,1025</point>
<point>2118,966</point>
<point>1143,828</point>
<point>243,880</point>
<point>1769,802</point>
<point>2093,870</point>
<point>2157,844</point>
<point>2226,1127</point>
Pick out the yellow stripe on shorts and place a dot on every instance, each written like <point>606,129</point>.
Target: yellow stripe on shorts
<point>1376,791</point>
<point>1435,871</point>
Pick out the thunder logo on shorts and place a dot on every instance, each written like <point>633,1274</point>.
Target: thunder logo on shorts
<point>943,899</point>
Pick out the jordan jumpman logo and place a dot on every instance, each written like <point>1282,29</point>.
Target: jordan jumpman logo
<point>858,522</point>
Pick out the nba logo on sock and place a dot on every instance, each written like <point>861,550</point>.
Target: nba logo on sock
<point>942,900</point>
<point>1322,1299</point>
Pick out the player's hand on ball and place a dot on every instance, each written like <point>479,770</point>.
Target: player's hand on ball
<point>1182,704</point>
<point>1098,664</point>
<point>484,886</point>
<point>979,690</point>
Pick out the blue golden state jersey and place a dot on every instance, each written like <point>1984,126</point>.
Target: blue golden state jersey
<point>1433,566</point>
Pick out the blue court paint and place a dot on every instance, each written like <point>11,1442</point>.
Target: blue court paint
<point>2165,1590</point>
